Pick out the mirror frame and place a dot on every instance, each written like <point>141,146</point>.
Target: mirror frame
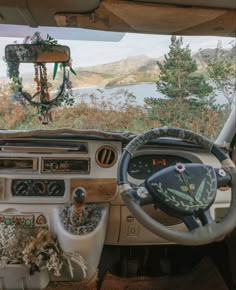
<point>32,53</point>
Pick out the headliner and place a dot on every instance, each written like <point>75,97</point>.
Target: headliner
<point>182,17</point>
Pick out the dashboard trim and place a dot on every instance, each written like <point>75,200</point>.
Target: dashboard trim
<point>98,190</point>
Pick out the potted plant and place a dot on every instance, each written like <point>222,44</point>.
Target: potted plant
<point>32,255</point>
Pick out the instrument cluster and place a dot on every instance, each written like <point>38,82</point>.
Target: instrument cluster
<point>142,167</point>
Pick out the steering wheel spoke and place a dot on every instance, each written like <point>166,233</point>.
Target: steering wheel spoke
<point>203,218</point>
<point>206,218</point>
<point>190,222</point>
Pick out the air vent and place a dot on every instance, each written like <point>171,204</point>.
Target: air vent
<point>106,156</point>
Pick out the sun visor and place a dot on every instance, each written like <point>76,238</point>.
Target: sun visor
<point>129,16</point>
<point>64,33</point>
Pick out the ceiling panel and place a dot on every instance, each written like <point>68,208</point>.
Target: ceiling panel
<point>228,4</point>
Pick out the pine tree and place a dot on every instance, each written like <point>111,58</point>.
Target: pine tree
<point>221,70</point>
<point>178,78</point>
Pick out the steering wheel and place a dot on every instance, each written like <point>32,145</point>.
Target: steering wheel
<point>185,191</point>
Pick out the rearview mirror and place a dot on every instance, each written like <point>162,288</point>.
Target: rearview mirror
<point>31,53</point>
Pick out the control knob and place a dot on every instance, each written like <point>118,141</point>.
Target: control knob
<point>55,189</point>
<point>54,165</point>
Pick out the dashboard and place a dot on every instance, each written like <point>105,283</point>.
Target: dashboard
<point>40,173</point>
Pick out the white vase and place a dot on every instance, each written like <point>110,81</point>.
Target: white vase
<point>17,277</point>
<point>88,245</point>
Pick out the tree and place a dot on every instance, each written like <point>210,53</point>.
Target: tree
<point>221,69</point>
<point>178,78</point>
<point>189,102</point>
<point>194,116</point>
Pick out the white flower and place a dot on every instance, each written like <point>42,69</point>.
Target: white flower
<point>180,167</point>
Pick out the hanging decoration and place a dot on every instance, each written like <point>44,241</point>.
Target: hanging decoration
<point>40,52</point>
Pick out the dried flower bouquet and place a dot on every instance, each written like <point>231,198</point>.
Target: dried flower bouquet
<point>37,249</point>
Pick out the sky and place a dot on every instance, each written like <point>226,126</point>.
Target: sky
<point>88,53</point>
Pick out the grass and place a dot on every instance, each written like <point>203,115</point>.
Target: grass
<point>119,112</point>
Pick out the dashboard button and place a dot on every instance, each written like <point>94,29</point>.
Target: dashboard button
<point>133,230</point>
<point>54,165</point>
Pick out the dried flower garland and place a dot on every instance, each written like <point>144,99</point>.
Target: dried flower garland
<point>41,99</point>
<point>38,251</point>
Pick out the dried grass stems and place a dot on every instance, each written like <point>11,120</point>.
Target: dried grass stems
<point>119,112</point>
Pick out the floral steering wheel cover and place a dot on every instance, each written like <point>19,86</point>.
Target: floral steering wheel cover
<point>183,190</point>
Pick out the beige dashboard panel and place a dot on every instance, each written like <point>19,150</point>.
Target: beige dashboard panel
<point>99,190</point>
<point>2,189</point>
<point>133,233</point>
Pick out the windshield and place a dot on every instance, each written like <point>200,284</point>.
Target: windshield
<point>134,84</point>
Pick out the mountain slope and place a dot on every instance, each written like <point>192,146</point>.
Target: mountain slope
<point>128,71</point>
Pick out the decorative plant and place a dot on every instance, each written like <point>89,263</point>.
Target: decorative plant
<point>41,99</point>
<point>38,251</point>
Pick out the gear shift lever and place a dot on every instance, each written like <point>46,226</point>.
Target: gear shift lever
<point>77,212</point>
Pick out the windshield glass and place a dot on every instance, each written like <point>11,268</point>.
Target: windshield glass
<point>137,83</point>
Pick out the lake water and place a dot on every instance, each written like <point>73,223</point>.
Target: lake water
<point>115,94</point>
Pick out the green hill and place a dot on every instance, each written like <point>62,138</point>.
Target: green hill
<point>131,70</point>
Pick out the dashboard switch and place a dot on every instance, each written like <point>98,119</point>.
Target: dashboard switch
<point>130,219</point>
<point>133,230</point>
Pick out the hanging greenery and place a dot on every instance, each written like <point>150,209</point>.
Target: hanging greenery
<point>41,99</point>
